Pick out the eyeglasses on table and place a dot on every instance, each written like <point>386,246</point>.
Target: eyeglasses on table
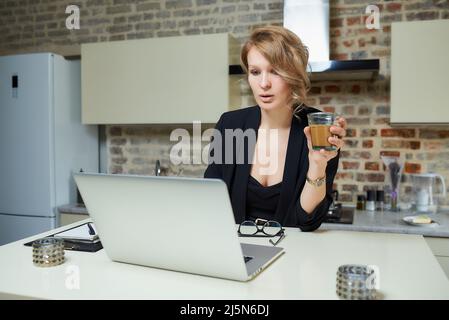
<point>262,228</point>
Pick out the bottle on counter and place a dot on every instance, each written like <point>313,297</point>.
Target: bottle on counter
<point>371,200</point>
<point>380,200</point>
<point>361,202</point>
<point>79,198</point>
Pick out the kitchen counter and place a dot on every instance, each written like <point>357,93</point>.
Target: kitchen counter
<point>377,221</point>
<point>407,270</point>
<point>73,208</point>
<point>391,222</point>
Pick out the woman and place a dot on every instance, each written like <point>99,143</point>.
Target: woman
<point>298,192</point>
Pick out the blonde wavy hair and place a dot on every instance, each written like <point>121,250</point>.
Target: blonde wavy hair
<point>287,55</point>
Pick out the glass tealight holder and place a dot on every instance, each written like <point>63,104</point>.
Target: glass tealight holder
<point>48,252</point>
<point>356,282</point>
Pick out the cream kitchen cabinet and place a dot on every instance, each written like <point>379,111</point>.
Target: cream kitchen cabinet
<point>69,218</point>
<point>440,249</point>
<point>159,80</point>
<point>420,72</point>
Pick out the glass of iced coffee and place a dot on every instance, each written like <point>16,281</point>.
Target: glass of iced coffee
<point>320,124</point>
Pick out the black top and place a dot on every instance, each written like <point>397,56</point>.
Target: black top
<point>236,173</point>
<point>261,202</point>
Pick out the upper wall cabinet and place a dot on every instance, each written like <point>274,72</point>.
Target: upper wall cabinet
<point>420,72</point>
<point>159,80</point>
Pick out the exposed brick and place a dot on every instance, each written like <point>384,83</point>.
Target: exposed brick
<point>332,89</point>
<point>329,109</point>
<point>359,55</point>
<point>243,8</point>
<point>357,121</point>
<point>351,132</point>
<point>435,145</point>
<point>183,13</point>
<point>360,177</point>
<point>350,187</point>
<point>345,197</point>
<point>361,42</point>
<point>350,165</point>
<point>248,18</point>
<point>403,133</point>
<point>382,121</point>
<point>351,21</point>
<point>339,56</point>
<point>118,9</point>
<point>315,90</point>
<point>391,7</point>
<point>116,151</point>
<point>119,160</point>
<point>423,15</point>
<point>228,9</point>
<point>368,133</point>
<point>115,131</point>
<point>274,15</point>
<point>412,167</point>
<point>348,43</point>
<point>44,17</point>
<point>382,110</point>
<point>335,33</point>
<point>116,169</point>
<point>401,144</point>
<point>344,176</point>
<point>259,6</point>
<point>148,26</point>
<point>168,34</point>
<point>365,111</point>
<point>336,22</point>
<point>205,2</point>
<point>372,166</point>
<point>351,143</point>
<point>362,155</point>
<point>325,100</point>
<point>433,134</point>
<point>120,29</point>
<point>390,153</point>
<point>178,4</point>
<point>375,177</point>
<point>118,141</point>
<point>344,154</point>
<point>355,89</point>
<point>348,110</point>
<point>367,144</point>
<point>164,14</point>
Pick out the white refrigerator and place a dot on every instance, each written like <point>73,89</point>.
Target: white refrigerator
<point>42,141</point>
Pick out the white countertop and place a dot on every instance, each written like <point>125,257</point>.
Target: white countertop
<point>407,268</point>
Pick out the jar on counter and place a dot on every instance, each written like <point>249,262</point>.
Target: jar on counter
<point>361,202</point>
<point>371,200</point>
<point>380,200</point>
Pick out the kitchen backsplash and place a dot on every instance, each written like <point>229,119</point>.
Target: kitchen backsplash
<point>135,149</point>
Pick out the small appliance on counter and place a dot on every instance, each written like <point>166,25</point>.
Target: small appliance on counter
<point>424,189</point>
<point>338,214</point>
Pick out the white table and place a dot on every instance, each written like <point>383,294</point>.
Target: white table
<point>407,267</point>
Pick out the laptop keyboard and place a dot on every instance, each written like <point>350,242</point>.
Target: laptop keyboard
<point>247,258</point>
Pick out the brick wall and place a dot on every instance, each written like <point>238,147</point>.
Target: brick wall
<point>39,25</point>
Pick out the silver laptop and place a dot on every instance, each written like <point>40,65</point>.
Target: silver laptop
<point>180,224</point>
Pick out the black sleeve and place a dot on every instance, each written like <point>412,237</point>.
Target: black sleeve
<point>312,221</point>
<point>215,170</point>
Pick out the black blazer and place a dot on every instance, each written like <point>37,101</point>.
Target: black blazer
<point>289,211</point>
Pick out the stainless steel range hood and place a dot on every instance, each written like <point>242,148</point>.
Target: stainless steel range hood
<point>309,19</point>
